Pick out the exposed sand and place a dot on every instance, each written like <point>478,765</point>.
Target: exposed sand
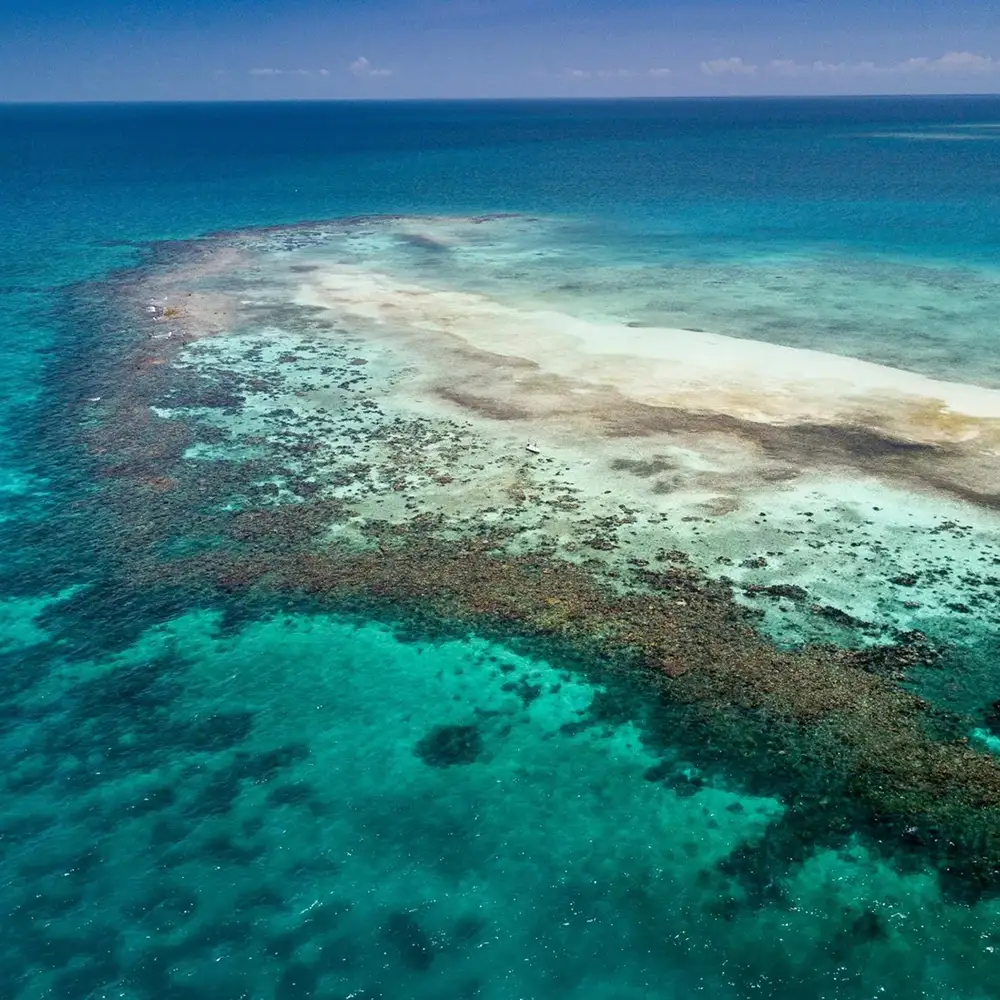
<point>662,367</point>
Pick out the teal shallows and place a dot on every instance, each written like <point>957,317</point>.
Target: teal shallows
<point>308,807</point>
<point>307,800</point>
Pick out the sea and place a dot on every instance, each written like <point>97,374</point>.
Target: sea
<point>517,550</point>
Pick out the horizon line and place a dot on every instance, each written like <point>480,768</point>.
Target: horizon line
<point>562,98</point>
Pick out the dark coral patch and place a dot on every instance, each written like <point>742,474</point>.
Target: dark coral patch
<point>445,746</point>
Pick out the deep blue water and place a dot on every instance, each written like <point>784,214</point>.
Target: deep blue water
<point>300,847</point>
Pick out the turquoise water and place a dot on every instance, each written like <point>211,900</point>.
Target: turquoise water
<point>209,796</point>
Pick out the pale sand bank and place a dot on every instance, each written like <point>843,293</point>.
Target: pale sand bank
<point>662,367</point>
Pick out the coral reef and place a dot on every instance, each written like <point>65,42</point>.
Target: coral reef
<point>293,515</point>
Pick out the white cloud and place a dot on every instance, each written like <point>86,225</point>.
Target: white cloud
<point>733,66</point>
<point>267,71</point>
<point>951,62</point>
<point>613,74</point>
<point>362,68</point>
<point>789,67</point>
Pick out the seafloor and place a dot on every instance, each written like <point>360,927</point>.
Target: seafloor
<point>758,577</point>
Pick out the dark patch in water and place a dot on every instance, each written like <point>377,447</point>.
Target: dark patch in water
<point>658,772</point>
<point>216,796</point>
<point>211,936</point>
<point>446,746</point>
<point>173,901</point>
<point>411,942</point>
<point>421,242</point>
<point>293,794</point>
<point>992,718</point>
<point>685,785</point>
<point>788,590</point>
<point>644,468</point>
<point>860,931</point>
<point>264,767</point>
<point>297,980</point>
<point>467,930</point>
<point>220,731</point>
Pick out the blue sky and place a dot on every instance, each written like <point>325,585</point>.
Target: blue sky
<point>280,49</point>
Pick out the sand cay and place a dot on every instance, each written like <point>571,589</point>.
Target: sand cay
<point>695,370</point>
<point>712,396</point>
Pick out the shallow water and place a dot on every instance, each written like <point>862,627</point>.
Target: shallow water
<point>234,819</point>
<point>226,789</point>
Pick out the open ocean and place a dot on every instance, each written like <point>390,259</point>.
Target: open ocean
<point>512,550</point>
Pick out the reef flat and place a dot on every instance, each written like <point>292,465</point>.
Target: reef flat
<point>273,420</point>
